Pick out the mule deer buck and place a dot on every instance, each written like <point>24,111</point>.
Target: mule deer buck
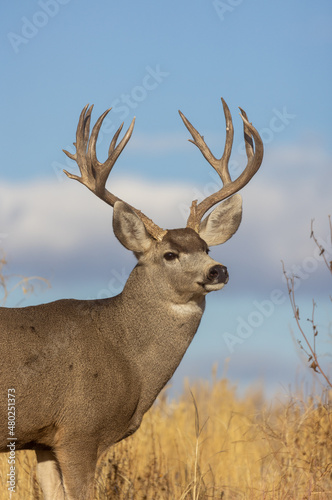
<point>83,373</point>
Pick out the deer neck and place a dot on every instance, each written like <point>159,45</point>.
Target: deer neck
<point>158,327</point>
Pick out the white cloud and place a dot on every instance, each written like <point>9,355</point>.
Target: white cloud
<point>66,218</point>
<point>64,221</point>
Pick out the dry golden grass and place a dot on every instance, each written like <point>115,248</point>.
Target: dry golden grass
<point>214,445</point>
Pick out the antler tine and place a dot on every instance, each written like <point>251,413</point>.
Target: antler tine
<point>113,152</point>
<point>249,144</point>
<point>91,153</point>
<point>228,142</point>
<point>255,157</point>
<point>82,139</point>
<point>115,138</point>
<point>221,166</point>
<point>93,173</point>
<point>83,129</point>
<point>99,171</point>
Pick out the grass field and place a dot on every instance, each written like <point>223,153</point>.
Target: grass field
<point>212,444</point>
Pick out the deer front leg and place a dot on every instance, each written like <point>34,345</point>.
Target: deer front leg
<point>77,461</point>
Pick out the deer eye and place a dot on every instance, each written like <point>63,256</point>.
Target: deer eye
<point>170,256</point>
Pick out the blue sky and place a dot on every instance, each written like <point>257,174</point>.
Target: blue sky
<point>149,59</point>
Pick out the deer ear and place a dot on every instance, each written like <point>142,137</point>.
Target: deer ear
<point>129,229</point>
<point>222,222</point>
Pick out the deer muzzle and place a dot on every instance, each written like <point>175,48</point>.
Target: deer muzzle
<point>218,274</point>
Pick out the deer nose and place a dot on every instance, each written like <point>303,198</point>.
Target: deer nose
<point>218,273</point>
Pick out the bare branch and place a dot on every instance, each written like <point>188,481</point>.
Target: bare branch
<point>320,247</point>
<point>312,357</point>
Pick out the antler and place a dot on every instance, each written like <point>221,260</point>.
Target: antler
<point>221,165</point>
<point>93,173</point>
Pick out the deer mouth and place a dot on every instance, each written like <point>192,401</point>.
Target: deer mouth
<point>211,287</point>
<point>216,278</point>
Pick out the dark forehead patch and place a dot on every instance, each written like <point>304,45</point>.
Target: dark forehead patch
<point>185,240</point>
